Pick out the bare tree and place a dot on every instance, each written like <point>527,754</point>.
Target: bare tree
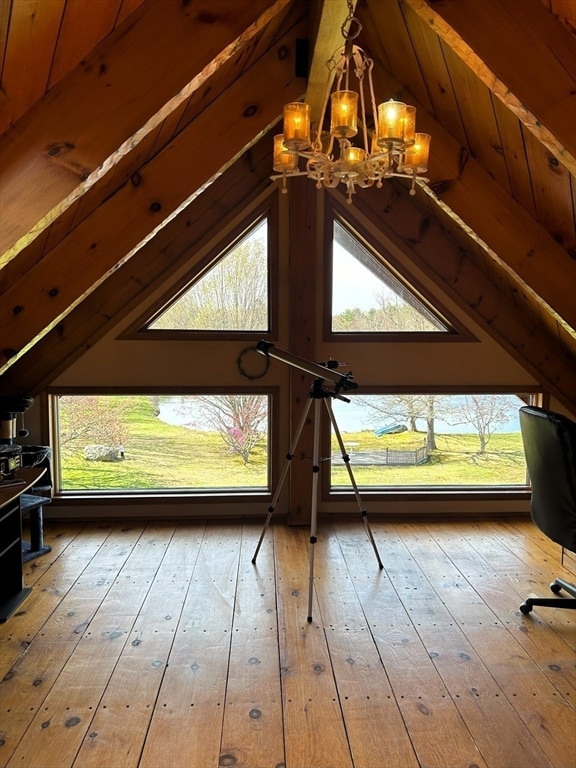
<point>407,407</point>
<point>484,412</point>
<point>238,419</point>
<point>231,295</point>
<point>393,313</point>
<point>87,419</point>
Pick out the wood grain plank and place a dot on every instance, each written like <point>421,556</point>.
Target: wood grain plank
<point>429,50</point>
<point>364,689</point>
<point>84,25</point>
<point>252,732</point>
<point>208,659</point>
<point>432,719</point>
<point>5,11</point>
<point>109,236</point>
<point>61,722</point>
<point>366,696</point>
<point>194,685</point>
<point>475,105</point>
<point>537,702</point>
<point>531,570</point>
<point>481,701</point>
<point>120,723</point>
<point>83,125</point>
<point>72,699</point>
<point>385,35</point>
<point>493,38</point>
<point>126,8</point>
<point>552,193</point>
<point>313,727</point>
<point>305,239</point>
<point>542,645</point>
<point>52,580</point>
<point>34,28</point>
<point>512,139</point>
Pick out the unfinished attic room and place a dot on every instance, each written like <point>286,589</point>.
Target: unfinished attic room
<point>287,383</point>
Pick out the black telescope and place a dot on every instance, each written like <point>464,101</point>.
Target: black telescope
<point>320,370</point>
<point>318,394</point>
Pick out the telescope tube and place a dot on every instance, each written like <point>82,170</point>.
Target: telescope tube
<point>314,369</point>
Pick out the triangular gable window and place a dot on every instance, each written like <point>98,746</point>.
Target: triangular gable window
<point>230,294</point>
<point>368,297</point>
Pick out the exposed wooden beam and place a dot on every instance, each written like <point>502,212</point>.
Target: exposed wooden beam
<point>393,212</point>
<point>518,240</point>
<point>328,19</point>
<point>524,55</point>
<point>127,287</point>
<point>110,235</point>
<point>305,239</point>
<point>163,52</point>
<point>498,220</point>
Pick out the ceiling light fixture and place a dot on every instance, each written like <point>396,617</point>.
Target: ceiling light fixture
<point>389,147</point>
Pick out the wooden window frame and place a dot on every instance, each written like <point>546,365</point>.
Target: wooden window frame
<point>456,332</point>
<point>531,395</point>
<point>216,495</point>
<point>138,329</point>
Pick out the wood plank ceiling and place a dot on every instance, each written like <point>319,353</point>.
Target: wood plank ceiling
<point>102,104</point>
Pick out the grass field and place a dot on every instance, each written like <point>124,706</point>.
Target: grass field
<point>456,461</point>
<point>163,456</point>
<point>160,455</point>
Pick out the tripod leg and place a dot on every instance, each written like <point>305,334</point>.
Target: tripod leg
<point>287,463</point>
<point>346,460</point>
<point>314,510</point>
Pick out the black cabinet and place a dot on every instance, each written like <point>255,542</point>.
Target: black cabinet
<point>12,589</point>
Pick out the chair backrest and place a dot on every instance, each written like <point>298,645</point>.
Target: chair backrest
<point>550,448</point>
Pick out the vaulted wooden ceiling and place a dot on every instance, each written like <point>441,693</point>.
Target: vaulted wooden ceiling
<point>119,117</point>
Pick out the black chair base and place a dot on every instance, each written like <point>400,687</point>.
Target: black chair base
<point>553,602</point>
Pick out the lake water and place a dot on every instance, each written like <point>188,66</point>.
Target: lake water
<point>350,417</point>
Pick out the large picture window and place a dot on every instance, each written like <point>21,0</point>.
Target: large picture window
<point>163,442</point>
<point>429,440</point>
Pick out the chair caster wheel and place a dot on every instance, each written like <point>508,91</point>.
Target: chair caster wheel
<point>525,609</point>
<point>555,588</point>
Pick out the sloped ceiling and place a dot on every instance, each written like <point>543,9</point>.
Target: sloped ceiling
<point>117,115</point>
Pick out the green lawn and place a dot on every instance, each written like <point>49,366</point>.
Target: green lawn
<point>159,455</point>
<point>456,461</point>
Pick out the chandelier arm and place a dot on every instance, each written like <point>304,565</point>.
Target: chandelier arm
<point>318,140</point>
<point>340,69</point>
<point>363,111</point>
<point>372,96</point>
<point>365,182</point>
<point>331,65</point>
<point>350,190</point>
<point>348,47</point>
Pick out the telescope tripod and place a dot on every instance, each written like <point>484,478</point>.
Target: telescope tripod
<point>318,394</point>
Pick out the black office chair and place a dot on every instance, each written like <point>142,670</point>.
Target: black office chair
<point>550,448</point>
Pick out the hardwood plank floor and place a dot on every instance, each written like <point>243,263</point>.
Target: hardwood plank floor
<point>160,645</point>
